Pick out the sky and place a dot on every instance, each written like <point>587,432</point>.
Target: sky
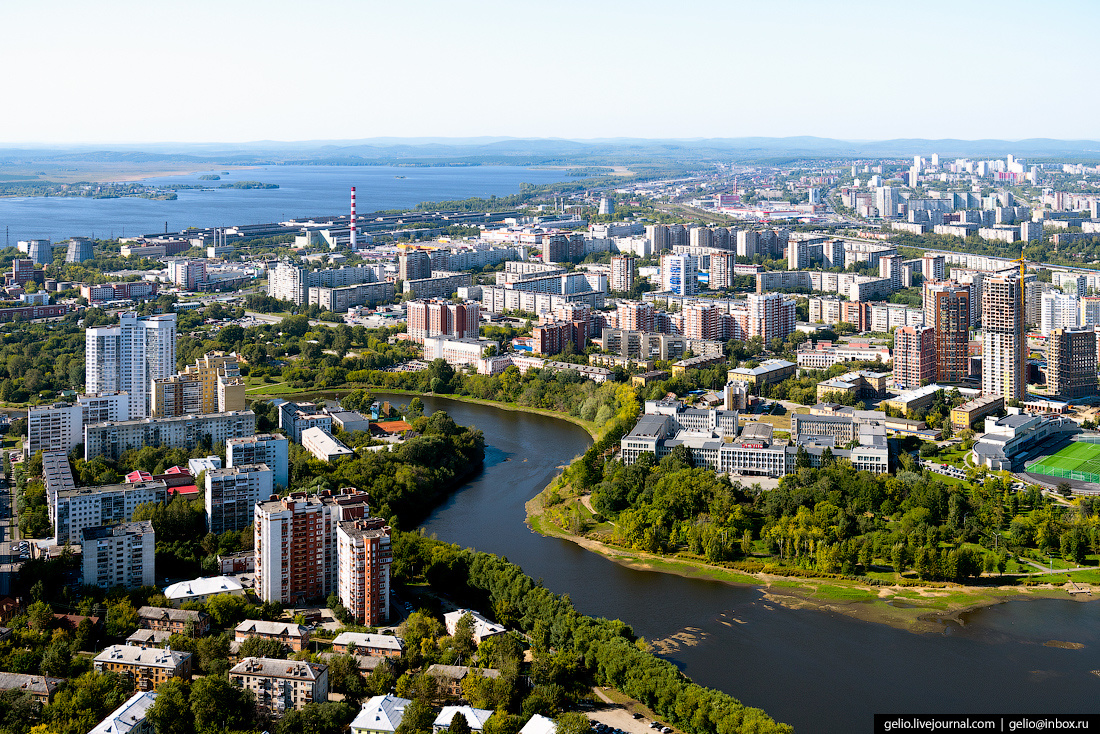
<point>123,71</point>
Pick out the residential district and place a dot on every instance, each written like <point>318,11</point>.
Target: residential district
<point>852,310</point>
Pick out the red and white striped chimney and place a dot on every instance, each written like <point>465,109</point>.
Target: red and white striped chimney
<point>353,217</point>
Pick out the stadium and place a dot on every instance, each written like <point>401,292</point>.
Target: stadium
<point>1077,462</point>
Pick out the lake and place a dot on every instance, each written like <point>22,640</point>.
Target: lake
<point>304,191</point>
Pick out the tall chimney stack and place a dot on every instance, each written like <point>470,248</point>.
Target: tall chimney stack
<point>353,217</point>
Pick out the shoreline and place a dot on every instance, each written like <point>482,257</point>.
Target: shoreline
<point>579,422</point>
<point>916,609</point>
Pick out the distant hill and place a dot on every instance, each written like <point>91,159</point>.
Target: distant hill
<point>546,151</point>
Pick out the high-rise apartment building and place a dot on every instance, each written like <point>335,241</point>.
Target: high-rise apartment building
<point>414,265</point>
<point>1057,311</point>
<point>622,273</point>
<point>635,316</point>
<point>364,556</point>
<point>1071,362</point>
<point>886,201</point>
<point>60,427</point>
<point>443,318</point>
<point>889,266</point>
<point>263,448</point>
<point>232,493</point>
<point>119,555</point>
<point>187,274</point>
<point>700,321</point>
<point>74,510</point>
<point>933,267</point>
<point>947,310</point>
<point>212,385</point>
<point>657,234</point>
<point>747,243</point>
<point>914,356</point>
<point>722,273</point>
<point>770,316</point>
<point>679,274</point>
<point>1003,343</point>
<point>295,543</point>
<point>128,357</point>
<point>1090,310</point>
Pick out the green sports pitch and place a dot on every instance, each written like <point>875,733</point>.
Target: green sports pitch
<point>1079,461</point>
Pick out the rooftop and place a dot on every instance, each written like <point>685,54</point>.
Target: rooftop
<point>275,668</point>
<point>203,587</point>
<point>129,716</point>
<point>260,627</point>
<point>39,685</point>
<point>364,640</point>
<point>381,713</point>
<point>154,657</point>
<point>113,531</point>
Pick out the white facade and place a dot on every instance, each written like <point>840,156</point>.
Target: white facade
<point>263,448</point>
<point>89,507</point>
<point>60,427</point>
<point>119,555</point>
<point>128,357</point>
<point>231,494</point>
<point>110,439</point>
<point>1057,311</point>
<point>321,444</point>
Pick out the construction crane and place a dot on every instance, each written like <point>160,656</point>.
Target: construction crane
<point>1023,331</point>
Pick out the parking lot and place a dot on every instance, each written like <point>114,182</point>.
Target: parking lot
<point>616,719</point>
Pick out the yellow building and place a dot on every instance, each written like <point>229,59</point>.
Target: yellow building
<point>965,415</point>
<point>212,385</point>
<point>147,667</point>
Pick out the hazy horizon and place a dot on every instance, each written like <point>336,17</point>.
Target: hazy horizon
<point>341,70</point>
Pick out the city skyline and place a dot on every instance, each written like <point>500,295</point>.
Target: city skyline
<point>853,71</point>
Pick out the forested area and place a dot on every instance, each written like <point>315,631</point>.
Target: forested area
<point>837,520</point>
<point>570,650</point>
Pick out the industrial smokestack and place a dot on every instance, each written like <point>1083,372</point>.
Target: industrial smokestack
<point>353,217</point>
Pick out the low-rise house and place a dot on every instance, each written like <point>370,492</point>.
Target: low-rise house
<point>281,685</point>
<point>483,628</point>
<point>130,717</point>
<point>361,643</point>
<point>476,718</point>
<point>40,687</point>
<point>539,724</point>
<point>380,715</point>
<point>148,638</point>
<point>450,677</point>
<point>294,636</point>
<point>201,590</point>
<point>147,667</point>
<point>174,621</point>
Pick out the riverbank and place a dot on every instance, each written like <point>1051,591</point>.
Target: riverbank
<point>588,426</point>
<point>918,609</point>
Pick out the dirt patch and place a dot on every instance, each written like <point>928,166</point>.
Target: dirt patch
<point>688,637</point>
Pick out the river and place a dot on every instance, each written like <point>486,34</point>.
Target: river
<point>304,191</point>
<point>819,671</point>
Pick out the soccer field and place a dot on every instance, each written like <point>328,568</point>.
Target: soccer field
<point>1079,460</point>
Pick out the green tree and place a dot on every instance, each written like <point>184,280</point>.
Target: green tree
<point>215,702</point>
<point>171,712</point>
<point>317,718</point>
<point>260,647</point>
<point>418,718</point>
<point>39,615</point>
<point>459,725</point>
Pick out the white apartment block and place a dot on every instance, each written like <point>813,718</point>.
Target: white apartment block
<point>263,448</point>
<point>89,507</point>
<point>364,556</point>
<point>60,427</point>
<point>823,358</point>
<point>231,494</point>
<point>1057,311</point>
<point>128,357</point>
<point>292,283</point>
<point>281,685</point>
<point>112,438</point>
<point>457,351</point>
<point>119,555</point>
<point>886,316</point>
